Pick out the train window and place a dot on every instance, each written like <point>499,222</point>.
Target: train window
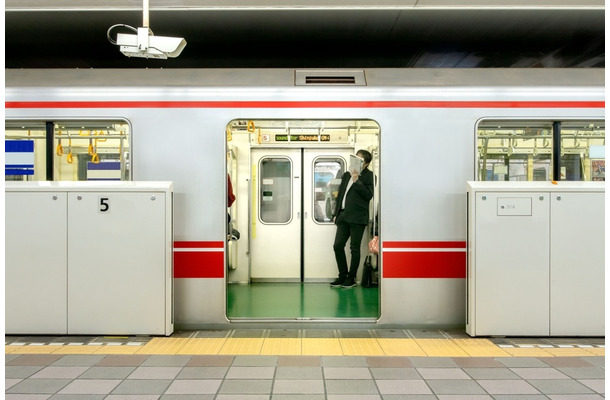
<point>25,149</point>
<point>327,178</point>
<point>513,151</point>
<point>583,151</point>
<point>275,196</point>
<point>67,151</point>
<point>523,151</point>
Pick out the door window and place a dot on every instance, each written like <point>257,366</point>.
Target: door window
<point>275,193</point>
<point>327,179</point>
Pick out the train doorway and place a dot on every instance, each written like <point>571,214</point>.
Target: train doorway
<point>286,176</point>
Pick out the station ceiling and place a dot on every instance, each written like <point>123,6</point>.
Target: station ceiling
<point>313,33</point>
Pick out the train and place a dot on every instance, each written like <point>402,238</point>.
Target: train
<point>279,140</point>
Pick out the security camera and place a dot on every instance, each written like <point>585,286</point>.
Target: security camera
<point>146,45</point>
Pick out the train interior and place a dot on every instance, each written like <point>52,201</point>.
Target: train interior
<point>285,175</point>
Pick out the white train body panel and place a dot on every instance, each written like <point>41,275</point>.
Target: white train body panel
<point>427,151</point>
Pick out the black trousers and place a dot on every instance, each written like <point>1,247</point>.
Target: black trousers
<point>347,231</point>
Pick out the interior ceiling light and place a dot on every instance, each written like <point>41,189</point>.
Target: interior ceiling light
<point>144,43</point>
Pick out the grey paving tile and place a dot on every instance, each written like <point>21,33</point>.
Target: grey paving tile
<point>319,333</point>
<point>433,362</point>
<point>255,361</point>
<point>10,357</point>
<point>299,361</point>
<point>122,360</point>
<point>388,362</point>
<point>597,361</point>
<point>155,373</point>
<point>39,386</point>
<point>194,386</point>
<point>539,373</point>
<point>575,397</point>
<point>246,386</point>
<point>90,386</point>
<point>78,397</point>
<point>210,361</point>
<point>141,386</point>
<point>477,362</point>
<point>34,359</point>
<point>248,333</point>
<point>491,373</point>
<point>402,387</point>
<point>584,372</point>
<point>340,361</point>
<point>250,373</point>
<point>390,333</point>
<point>409,397</point>
<point>521,362</point>
<point>21,371</point>
<point>353,397</point>
<point>455,387</point>
<point>27,396</point>
<point>351,386</point>
<point>166,361</point>
<point>213,334</point>
<point>557,362</point>
<point>78,360</point>
<point>202,373</point>
<point>296,386</point>
<point>297,397</point>
<point>60,372</point>
<point>188,397</point>
<point>132,397</point>
<point>298,373</point>
<point>10,382</point>
<point>242,397</point>
<point>107,373</point>
<point>594,384</point>
<point>442,373</point>
<point>346,373</point>
<point>507,386</point>
<point>283,333</point>
<point>560,386</point>
<point>520,397</point>
<point>395,373</point>
<point>427,334</point>
<point>464,397</point>
<point>355,333</point>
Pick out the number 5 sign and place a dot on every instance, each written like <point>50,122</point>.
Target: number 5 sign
<point>104,205</point>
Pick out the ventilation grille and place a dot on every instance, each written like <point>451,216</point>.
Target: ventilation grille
<point>329,78</point>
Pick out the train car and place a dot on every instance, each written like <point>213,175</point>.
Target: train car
<point>280,139</point>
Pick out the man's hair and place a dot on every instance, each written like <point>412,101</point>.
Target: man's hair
<point>366,156</point>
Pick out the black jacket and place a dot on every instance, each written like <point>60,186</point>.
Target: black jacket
<point>357,202</point>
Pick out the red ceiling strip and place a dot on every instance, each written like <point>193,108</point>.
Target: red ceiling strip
<point>305,104</point>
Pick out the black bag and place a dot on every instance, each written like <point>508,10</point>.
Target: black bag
<point>368,279</point>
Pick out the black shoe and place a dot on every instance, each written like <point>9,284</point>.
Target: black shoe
<point>349,283</point>
<point>337,282</point>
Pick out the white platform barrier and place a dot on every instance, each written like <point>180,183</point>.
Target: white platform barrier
<point>535,259</point>
<point>89,258</point>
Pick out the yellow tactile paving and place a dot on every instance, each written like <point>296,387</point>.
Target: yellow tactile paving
<point>321,347</point>
<point>480,348</point>
<point>360,347</point>
<point>242,346</point>
<point>34,349</point>
<point>163,346</point>
<point>597,351</point>
<point>400,347</point>
<point>200,346</point>
<point>527,352</point>
<point>82,349</point>
<point>281,347</point>
<point>441,348</point>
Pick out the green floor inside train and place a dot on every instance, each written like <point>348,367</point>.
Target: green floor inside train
<point>300,300</point>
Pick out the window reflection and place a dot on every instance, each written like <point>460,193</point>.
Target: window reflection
<point>327,179</point>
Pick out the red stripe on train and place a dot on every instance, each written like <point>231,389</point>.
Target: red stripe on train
<point>425,245</point>
<point>198,245</point>
<point>424,264</point>
<point>199,264</point>
<point>304,104</point>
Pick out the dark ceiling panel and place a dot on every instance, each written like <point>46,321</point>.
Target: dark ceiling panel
<point>316,38</point>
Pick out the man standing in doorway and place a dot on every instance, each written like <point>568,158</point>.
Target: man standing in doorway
<point>351,215</point>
